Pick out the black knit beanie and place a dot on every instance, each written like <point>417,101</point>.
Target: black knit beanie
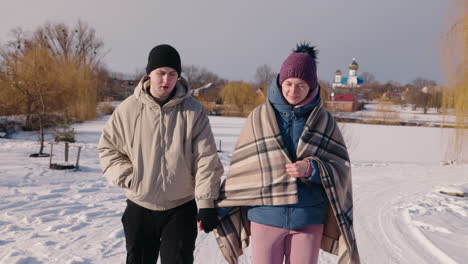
<point>163,56</point>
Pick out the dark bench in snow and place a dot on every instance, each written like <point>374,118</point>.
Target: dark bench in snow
<point>6,128</point>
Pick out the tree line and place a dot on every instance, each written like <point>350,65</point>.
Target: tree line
<point>58,68</point>
<point>419,93</point>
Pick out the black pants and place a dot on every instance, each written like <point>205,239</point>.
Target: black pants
<point>172,232</point>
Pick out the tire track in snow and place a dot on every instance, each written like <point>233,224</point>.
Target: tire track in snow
<point>385,232</point>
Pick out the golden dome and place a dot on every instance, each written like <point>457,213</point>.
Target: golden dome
<point>354,65</point>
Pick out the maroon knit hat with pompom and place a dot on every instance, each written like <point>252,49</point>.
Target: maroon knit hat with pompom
<point>301,64</point>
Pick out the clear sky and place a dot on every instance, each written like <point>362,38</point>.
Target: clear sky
<point>393,39</point>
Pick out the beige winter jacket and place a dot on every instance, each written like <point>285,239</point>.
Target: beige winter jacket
<point>161,156</point>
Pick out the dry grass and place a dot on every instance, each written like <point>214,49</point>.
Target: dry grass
<point>106,108</point>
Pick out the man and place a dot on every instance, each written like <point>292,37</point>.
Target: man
<point>158,146</point>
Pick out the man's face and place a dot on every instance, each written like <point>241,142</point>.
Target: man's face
<point>163,81</point>
<point>294,90</point>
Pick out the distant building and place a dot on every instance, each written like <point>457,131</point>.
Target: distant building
<point>352,81</point>
<point>343,97</point>
<point>209,93</point>
<point>208,89</point>
<point>343,103</point>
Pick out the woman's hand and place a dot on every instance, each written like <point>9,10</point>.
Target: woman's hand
<point>298,169</point>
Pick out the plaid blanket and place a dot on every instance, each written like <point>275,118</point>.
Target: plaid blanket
<point>257,176</point>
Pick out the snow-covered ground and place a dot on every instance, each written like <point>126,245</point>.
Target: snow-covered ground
<point>70,217</point>
<point>397,113</point>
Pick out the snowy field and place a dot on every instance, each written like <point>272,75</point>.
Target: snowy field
<point>397,113</point>
<point>400,216</point>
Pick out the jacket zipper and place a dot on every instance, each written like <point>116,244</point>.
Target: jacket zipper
<point>291,131</point>
<point>163,146</point>
<point>291,134</point>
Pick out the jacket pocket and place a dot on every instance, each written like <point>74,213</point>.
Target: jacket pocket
<point>134,181</point>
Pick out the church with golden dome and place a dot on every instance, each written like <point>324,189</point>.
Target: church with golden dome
<point>352,81</point>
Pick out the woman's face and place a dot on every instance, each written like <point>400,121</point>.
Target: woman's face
<point>294,90</point>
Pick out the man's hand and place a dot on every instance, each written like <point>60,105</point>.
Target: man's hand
<point>208,218</point>
<point>298,169</point>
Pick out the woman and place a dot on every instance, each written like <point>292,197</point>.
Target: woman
<point>290,175</point>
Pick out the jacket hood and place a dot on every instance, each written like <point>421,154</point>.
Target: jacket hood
<point>140,93</point>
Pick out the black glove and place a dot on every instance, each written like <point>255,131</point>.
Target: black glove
<point>208,218</point>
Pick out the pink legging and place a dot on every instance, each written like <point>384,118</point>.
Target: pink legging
<point>271,244</point>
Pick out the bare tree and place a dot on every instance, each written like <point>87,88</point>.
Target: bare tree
<point>368,78</point>
<point>422,93</point>
<point>79,43</point>
<point>111,85</point>
<point>375,91</point>
<point>264,75</point>
<point>326,89</point>
<point>197,77</point>
<point>138,74</point>
<point>81,50</point>
<point>425,98</point>
<point>191,73</point>
<point>421,83</point>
